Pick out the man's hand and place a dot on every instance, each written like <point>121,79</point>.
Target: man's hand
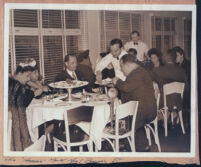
<point>114,80</point>
<point>110,66</point>
<point>99,76</point>
<point>45,89</point>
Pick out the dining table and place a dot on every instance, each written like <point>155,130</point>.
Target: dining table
<point>46,109</point>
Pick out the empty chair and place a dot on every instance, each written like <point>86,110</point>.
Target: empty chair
<point>122,111</point>
<point>38,145</point>
<point>72,117</point>
<point>149,128</point>
<point>168,89</point>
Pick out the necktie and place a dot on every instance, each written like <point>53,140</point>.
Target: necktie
<point>74,75</point>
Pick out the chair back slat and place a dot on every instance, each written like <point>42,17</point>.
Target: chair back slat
<point>74,116</point>
<point>126,109</point>
<point>173,87</point>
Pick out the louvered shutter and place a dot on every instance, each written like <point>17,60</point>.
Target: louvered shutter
<point>115,24</point>
<point>25,18</point>
<point>53,57</point>
<point>124,26</point>
<point>72,19</point>
<point>73,31</point>
<point>111,27</point>
<point>72,44</point>
<point>26,47</point>
<point>51,19</point>
<point>136,23</point>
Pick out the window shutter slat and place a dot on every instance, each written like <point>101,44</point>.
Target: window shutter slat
<point>72,19</point>
<point>53,57</point>
<point>51,19</point>
<point>25,18</point>
<point>26,47</point>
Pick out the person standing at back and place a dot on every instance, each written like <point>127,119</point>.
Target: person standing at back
<point>137,44</point>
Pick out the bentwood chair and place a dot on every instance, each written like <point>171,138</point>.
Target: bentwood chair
<point>154,130</point>
<point>168,89</point>
<point>122,111</point>
<point>72,117</point>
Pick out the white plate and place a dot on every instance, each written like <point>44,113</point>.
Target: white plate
<point>65,85</point>
<point>105,81</point>
<point>77,95</point>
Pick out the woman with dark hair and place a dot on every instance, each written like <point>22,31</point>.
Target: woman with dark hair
<point>35,81</point>
<point>182,62</point>
<point>155,56</point>
<point>19,97</point>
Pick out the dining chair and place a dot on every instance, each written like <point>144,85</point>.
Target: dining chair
<point>38,145</point>
<point>168,89</point>
<point>122,111</point>
<point>148,127</point>
<point>72,117</point>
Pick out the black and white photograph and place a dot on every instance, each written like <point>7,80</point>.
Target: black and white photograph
<point>99,80</point>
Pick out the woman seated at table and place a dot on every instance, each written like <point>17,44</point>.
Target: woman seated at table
<point>19,97</point>
<point>168,73</point>
<point>36,80</point>
<point>155,56</point>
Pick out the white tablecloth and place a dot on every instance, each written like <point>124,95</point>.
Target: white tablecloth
<point>39,113</point>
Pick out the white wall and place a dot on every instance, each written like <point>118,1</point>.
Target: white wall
<point>93,35</point>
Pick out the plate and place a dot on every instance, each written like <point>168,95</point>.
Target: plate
<point>104,82</point>
<point>77,95</point>
<point>65,85</point>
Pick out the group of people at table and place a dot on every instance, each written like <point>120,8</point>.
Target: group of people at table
<point>132,68</point>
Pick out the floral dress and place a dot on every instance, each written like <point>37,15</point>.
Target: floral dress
<point>19,97</point>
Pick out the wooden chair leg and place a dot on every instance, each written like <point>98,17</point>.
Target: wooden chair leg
<point>156,136</point>
<point>165,123</point>
<point>181,121</point>
<point>117,145</point>
<point>147,130</point>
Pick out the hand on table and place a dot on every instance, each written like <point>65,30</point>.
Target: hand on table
<point>45,89</point>
<point>114,80</point>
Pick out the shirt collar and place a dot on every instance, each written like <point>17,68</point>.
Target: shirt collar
<point>69,72</point>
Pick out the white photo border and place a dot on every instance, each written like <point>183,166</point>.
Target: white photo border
<point>119,7</point>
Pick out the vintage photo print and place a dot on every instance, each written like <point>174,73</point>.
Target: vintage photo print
<point>100,81</point>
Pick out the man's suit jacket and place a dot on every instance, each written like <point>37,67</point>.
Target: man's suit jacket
<point>138,86</point>
<point>83,73</point>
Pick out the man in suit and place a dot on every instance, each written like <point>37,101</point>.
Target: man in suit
<point>138,86</point>
<point>73,71</point>
<point>85,69</point>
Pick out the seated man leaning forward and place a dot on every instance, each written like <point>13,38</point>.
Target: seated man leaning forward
<point>112,59</point>
<point>138,86</point>
<point>71,71</point>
